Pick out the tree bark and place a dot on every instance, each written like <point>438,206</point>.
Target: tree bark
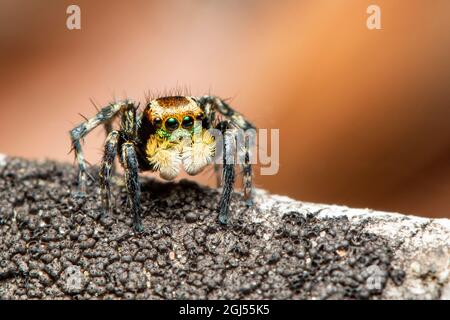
<point>57,246</point>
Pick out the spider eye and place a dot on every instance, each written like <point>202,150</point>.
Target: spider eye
<point>157,122</point>
<point>187,122</point>
<point>172,124</point>
<point>199,116</point>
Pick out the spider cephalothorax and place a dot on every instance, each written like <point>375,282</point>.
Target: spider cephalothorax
<point>179,139</point>
<point>171,133</point>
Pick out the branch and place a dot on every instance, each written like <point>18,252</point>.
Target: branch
<point>53,245</point>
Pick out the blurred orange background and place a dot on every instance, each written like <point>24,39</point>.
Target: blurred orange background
<point>363,114</point>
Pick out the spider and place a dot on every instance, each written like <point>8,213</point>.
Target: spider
<point>171,132</point>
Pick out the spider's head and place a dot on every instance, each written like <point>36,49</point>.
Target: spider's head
<point>175,118</point>
<point>179,137</point>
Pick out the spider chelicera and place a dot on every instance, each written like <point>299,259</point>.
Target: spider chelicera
<point>170,133</point>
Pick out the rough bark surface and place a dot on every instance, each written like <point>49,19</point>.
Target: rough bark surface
<point>55,246</point>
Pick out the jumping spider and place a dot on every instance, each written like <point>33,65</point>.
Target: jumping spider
<point>169,133</point>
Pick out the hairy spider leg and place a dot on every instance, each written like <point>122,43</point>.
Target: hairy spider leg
<point>79,132</point>
<point>228,174</point>
<point>210,121</point>
<point>247,176</point>
<point>108,129</point>
<point>108,125</point>
<point>211,104</point>
<point>109,155</point>
<point>131,167</point>
<point>128,124</point>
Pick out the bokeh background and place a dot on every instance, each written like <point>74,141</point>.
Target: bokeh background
<point>363,114</point>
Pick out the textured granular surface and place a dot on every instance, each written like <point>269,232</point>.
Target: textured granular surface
<point>53,245</point>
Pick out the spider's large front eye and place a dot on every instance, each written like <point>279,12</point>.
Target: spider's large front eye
<point>157,122</point>
<point>171,124</point>
<point>188,122</point>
